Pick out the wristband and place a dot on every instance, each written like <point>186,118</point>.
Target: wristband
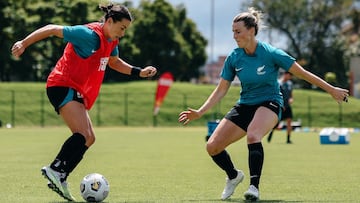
<point>135,71</point>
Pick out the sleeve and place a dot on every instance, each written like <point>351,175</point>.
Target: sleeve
<point>84,39</point>
<point>228,73</point>
<point>282,59</point>
<point>115,51</point>
<point>79,35</point>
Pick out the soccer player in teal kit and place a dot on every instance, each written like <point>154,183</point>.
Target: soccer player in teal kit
<point>259,108</point>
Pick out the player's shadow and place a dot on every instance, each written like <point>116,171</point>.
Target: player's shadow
<point>264,201</point>
<point>238,200</point>
<point>194,200</point>
<point>134,201</point>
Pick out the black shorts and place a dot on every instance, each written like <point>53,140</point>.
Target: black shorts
<point>287,113</point>
<point>59,96</point>
<point>242,114</point>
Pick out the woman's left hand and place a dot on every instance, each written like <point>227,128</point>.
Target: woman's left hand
<point>148,71</point>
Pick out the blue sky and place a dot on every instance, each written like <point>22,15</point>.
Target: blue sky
<point>224,11</point>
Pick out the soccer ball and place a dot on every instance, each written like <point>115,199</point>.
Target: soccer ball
<point>94,188</point>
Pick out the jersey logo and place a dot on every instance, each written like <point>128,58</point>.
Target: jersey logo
<point>78,95</point>
<point>103,63</point>
<point>260,70</point>
<point>273,105</point>
<point>238,69</point>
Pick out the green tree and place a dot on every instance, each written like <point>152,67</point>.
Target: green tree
<point>4,42</point>
<point>40,58</point>
<point>161,35</point>
<point>168,40</point>
<point>313,29</point>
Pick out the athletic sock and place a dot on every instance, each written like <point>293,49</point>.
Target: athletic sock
<point>76,158</point>
<point>270,135</point>
<point>70,154</point>
<point>223,160</point>
<point>256,160</point>
<point>288,138</point>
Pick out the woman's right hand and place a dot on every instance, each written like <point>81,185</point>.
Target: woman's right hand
<point>186,116</point>
<point>18,48</point>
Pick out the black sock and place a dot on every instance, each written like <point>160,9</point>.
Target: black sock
<point>224,162</point>
<point>270,135</point>
<point>256,160</point>
<point>288,138</point>
<point>70,154</point>
<point>76,158</point>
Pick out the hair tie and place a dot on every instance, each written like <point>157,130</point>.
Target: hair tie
<point>109,7</point>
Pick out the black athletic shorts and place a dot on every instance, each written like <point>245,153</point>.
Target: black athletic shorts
<point>287,113</point>
<point>59,96</point>
<point>242,114</point>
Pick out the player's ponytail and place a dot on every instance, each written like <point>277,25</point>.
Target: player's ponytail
<point>116,12</point>
<point>251,18</point>
<point>107,8</point>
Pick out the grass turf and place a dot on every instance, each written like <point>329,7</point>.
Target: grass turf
<point>131,104</point>
<point>170,164</point>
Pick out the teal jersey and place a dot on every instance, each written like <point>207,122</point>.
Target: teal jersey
<point>84,40</point>
<point>258,73</point>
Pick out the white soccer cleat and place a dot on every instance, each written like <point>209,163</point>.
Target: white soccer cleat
<point>67,194</point>
<point>55,183</point>
<point>231,185</point>
<point>252,194</point>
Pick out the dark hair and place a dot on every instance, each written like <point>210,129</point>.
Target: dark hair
<point>116,12</point>
<point>251,18</point>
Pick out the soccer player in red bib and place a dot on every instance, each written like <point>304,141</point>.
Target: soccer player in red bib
<point>73,85</point>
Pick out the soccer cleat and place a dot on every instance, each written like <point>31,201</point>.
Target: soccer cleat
<point>67,194</point>
<point>231,185</point>
<point>50,185</point>
<point>55,183</point>
<point>252,194</point>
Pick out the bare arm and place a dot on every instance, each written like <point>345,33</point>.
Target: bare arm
<point>219,92</point>
<point>337,93</point>
<point>39,34</point>
<point>121,66</point>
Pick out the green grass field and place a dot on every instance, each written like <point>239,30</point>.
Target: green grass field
<point>146,164</point>
<point>26,105</point>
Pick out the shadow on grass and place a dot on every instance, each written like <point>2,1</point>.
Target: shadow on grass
<point>205,200</point>
<point>264,201</point>
<point>133,201</point>
<point>194,200</point>
<point>236,200</point>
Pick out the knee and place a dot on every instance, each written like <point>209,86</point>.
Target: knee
<point>212,149</point>
<point>89,138</point>
<point>253,138</point>
<point>90,141</point>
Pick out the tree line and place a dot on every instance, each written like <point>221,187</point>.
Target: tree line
<point>162,35</point>
<point>316,34</point>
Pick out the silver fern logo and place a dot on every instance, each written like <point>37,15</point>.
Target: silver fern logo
<point>260,70</point>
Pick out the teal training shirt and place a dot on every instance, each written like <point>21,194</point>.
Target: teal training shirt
<point>85,40</point>
<point>257,73</point>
